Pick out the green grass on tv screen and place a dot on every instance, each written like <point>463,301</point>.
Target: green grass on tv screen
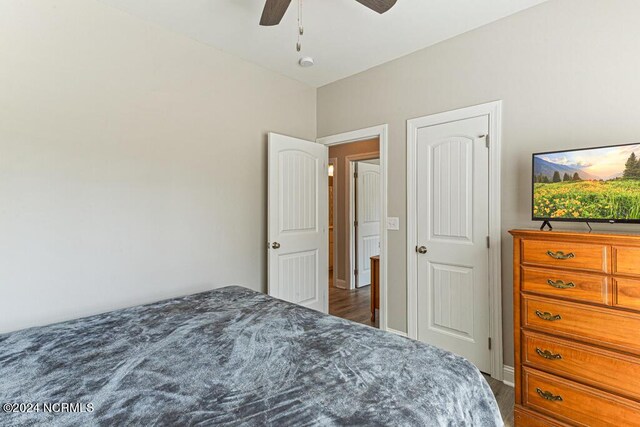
<point>614,199</point>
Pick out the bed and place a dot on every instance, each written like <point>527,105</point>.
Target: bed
<point>233,356</point>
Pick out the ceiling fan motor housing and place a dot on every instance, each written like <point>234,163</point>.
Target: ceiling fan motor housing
<point>274,10</point>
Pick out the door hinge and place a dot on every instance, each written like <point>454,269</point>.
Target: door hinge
<point>355,174</point>
<point>486,139</point>
<point>488,242</point>
<point>355,272</point>
<point>489,343</point>
<point>355,223</point>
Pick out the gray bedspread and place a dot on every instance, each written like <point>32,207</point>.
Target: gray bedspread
<point>234,357</point>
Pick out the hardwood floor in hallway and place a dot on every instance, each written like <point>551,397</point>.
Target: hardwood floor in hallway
<point>352,305</point>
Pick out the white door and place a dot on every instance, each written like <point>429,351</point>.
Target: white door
<point>452,226</point>
<point>368,219</point>
<point>297,221</point>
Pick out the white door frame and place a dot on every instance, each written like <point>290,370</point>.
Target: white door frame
<point>334,161</point>
<point>381,132</point>
<point>494,111</point>
<point>351,212</point>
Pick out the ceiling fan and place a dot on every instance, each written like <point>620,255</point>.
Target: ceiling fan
<point>274,9</point>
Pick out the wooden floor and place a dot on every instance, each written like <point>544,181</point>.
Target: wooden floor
<point>352,305</point>
<point>355,305</point>
<point>505,397</point>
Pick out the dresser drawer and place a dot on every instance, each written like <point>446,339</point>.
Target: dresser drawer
<point>598,325</point>
<point>523,417</point>
<point>626,260</point>
<point>627,293</point>
<point>576,403</point>
<point>578,286</point>
<point>583,256</point>
<point>605,369</point>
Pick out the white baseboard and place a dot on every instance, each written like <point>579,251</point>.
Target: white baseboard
<point>393,331</point>
<point>508,376</point>
<point>339,283</point>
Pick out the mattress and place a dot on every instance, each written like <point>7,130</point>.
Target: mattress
<point>233,356</point>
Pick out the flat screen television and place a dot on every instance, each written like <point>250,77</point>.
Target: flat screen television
<point>591,184</point>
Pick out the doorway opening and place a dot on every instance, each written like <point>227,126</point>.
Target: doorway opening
<point>355,219</point>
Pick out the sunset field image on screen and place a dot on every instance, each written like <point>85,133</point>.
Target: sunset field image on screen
<point>599,184</point>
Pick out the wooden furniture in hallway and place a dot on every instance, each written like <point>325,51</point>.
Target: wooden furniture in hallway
<point>577,328</point>
<point>331,249</point>
<point>375,285</point>
<point>331,230</point>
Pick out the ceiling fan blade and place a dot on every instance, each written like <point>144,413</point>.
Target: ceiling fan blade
<point>273,12</point>
<point>380,6</point>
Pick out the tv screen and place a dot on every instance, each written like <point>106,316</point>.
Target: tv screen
<point>592,184</point>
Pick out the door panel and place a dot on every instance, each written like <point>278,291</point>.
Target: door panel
<point>298,277</point>
<point>452,207</point>
<point>368,217</point>
<point>298,184</point>
<point>298,264</point>
<point>453,224</point>
<point>451,295</point>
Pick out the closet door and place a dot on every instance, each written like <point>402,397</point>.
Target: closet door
<point>452,230</point>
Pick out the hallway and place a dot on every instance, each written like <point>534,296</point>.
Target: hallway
<point>353,305</point>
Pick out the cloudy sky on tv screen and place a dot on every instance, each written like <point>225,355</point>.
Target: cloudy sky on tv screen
<point>599,183</point>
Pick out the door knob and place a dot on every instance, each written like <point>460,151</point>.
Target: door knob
<point>421,250</point>
<point>275,245</point>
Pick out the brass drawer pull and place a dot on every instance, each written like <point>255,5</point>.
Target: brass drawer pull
<point>548,355</point>
<point>548,316</point>
<point>561,255</point>
<point>559,284</point>
<point>548,395</point>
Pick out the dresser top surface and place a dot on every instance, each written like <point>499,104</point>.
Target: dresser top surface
<point>583,236</point>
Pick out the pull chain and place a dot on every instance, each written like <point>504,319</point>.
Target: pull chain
<point>300,27</point>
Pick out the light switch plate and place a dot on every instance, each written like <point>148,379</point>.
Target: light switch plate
<point>393,223</point>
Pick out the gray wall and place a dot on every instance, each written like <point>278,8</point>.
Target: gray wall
<point>568,72</point>
<point>132,161</point>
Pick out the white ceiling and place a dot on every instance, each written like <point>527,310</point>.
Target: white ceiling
<point>342,36</point>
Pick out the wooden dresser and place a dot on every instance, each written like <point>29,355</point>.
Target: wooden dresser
<point>375,286</point>
<point>577,328</point>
